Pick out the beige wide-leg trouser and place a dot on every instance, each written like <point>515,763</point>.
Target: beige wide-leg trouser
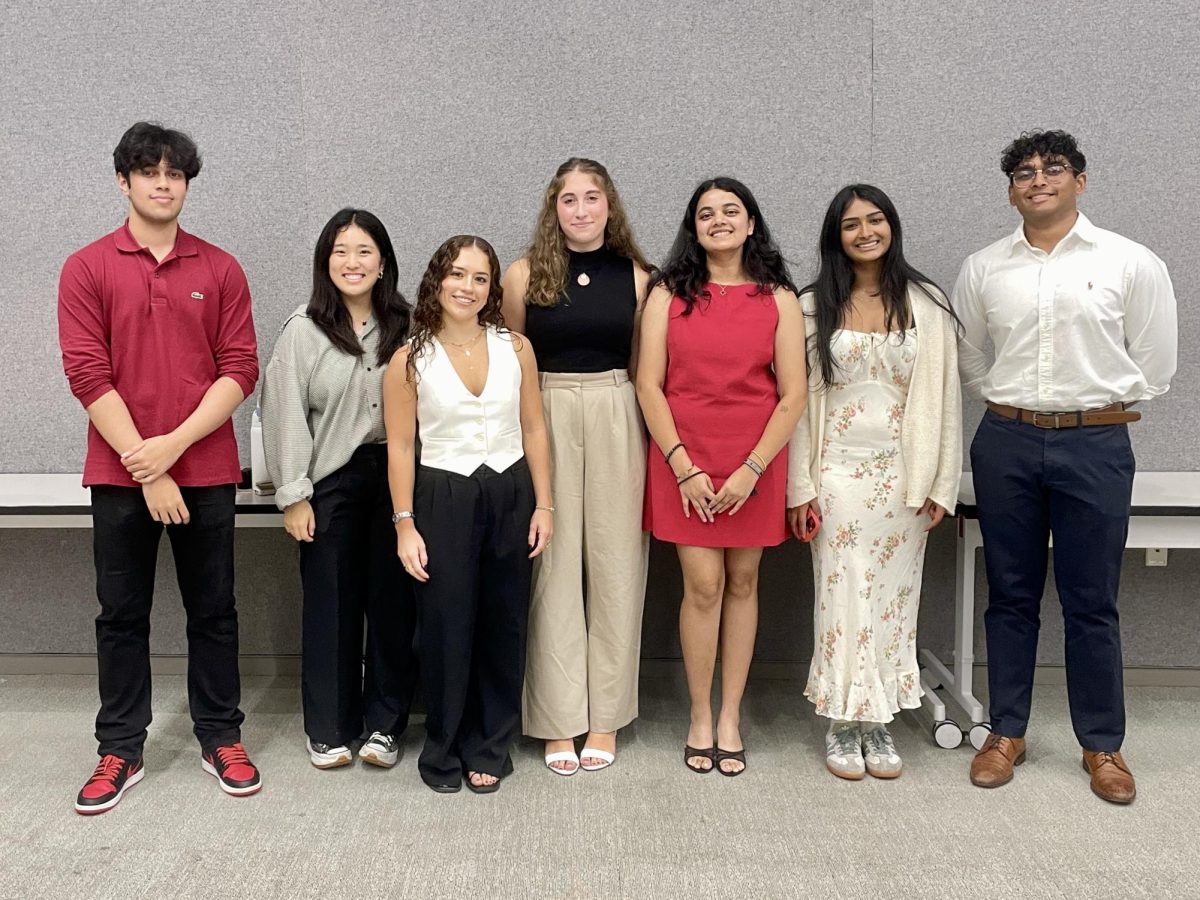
<point>581,669</point>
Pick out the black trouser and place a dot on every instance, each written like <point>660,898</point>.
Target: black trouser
<point>125,541</point>
<point>473,613</point>
<point>351,570</point>
<point>1076,484</point>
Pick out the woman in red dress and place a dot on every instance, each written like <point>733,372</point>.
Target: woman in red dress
<point>721,381</point>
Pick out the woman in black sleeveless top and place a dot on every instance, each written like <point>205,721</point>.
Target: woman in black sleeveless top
<point>578,293</point>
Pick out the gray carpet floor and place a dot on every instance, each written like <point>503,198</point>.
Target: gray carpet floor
<point>644,828</point>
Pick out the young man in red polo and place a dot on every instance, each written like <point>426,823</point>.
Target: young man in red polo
<point>158,345</point>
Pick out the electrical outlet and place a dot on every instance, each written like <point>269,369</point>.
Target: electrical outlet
<point>1156,556</point>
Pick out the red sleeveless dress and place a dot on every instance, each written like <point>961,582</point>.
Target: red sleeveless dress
<point>721,388</point>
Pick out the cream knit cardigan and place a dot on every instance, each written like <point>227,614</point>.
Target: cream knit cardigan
<point>931,436</point>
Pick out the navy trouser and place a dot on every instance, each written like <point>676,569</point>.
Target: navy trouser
<point>125,542</point>
<point>351,573</point>
<point>474,612</point>
<point>1076,484</point>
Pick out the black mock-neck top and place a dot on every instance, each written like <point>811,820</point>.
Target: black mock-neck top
<point>591,328</point>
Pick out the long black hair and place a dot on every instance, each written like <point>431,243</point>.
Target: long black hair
<point>326,308</point>
<point>686,270</point>
<point>835,278</point>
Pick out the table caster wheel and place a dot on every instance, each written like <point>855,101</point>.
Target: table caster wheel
<point>979,733</point>
<point>947,734</point>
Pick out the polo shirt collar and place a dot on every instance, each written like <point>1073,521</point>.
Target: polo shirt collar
<point>185,244</point>
<point>1082,230</point>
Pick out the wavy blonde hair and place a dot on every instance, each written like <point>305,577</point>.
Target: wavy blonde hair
<point>547,251</point>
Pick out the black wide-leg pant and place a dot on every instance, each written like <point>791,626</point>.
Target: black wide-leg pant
<point>1075,484</point>
<point>125,544</point>
<point>473,613</point>
<point>349,572</point>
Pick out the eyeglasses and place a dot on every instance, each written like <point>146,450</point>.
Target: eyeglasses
<point>1053,172</point>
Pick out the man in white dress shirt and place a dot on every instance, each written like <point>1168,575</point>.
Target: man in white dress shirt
<point>1082,322</point>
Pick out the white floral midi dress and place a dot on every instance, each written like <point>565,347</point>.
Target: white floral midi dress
<point>869,553</point>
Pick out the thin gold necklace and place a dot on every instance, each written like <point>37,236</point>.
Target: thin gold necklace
<point>465,346</point>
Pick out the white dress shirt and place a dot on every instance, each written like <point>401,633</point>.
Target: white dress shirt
<point>459,431</point>
<point>1088,324</point>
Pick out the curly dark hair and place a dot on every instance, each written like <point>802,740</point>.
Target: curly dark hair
<point>685,273</point>
<point>147,143</point>
<point>1047,145</point>
<point>427,314</point>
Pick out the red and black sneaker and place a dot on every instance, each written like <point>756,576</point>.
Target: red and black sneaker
<point>233,770</point>
<point>105,788</point>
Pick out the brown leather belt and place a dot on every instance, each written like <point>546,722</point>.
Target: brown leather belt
<point>1114,414</point>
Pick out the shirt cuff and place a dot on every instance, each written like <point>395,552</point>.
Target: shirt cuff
<point>300,489</point>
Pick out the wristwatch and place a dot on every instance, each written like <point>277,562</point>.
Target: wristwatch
<point>397,516</point>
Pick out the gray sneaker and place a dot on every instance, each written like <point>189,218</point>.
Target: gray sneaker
<point>879,753</point>
<point>379,750</point>
<point>327,756</point>
<point>843,752</point>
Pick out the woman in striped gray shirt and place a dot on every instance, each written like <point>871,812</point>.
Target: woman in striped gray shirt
<point>326,452</point>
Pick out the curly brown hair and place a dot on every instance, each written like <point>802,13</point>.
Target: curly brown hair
<point>547,251</point>
<point>427,314</point>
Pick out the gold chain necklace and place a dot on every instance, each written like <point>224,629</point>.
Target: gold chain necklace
<point>465,347</point>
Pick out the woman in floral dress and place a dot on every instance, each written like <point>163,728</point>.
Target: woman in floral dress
<point>878,454</point>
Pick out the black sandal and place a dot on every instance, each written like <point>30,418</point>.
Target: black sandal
<point>482,788</point>
<point>735,755</point>
<point>708,753</point>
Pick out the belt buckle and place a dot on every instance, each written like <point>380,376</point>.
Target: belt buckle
<point>1055,422</point>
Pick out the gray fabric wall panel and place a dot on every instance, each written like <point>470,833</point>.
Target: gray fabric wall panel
<point>446,121</point>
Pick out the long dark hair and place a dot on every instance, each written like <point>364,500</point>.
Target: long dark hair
<point>427,315</point>
<point>686,270</point>
<point>835,278</point>
<point>326,308</point>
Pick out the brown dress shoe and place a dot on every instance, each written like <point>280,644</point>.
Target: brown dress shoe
<point>1111,778</point>
<point>993,764</point>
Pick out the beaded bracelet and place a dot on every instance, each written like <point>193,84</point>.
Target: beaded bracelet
<point>671,452</point>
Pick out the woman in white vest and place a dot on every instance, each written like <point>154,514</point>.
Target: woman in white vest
<point>878,453</point>
<point>475,512</point>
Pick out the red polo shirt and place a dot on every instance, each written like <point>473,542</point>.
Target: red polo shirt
<point>160,334</point>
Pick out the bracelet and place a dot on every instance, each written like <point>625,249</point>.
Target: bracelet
<point>689,477</point>
<point>671,452</point>
<point>398,517</point>
<point>548,509</point>
<point>752,466</point>
<point>758,456</point>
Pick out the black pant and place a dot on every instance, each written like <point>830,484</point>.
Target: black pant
<point>473,612</point>
<point>351,570</point>
<point>1076,484</point>
<point>125,541</point>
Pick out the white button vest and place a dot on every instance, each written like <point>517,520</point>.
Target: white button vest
<point>460,432</point>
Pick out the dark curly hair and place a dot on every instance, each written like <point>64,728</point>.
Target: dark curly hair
<point>427,314</point>
<point>147,143</point>
<point>1047,145</point>
<point>685,273</point>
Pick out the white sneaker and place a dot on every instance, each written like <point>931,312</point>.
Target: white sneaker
<point>879,753</point>
<point>843,752</point>
<point>379,750</point>
<point>323,756</point>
